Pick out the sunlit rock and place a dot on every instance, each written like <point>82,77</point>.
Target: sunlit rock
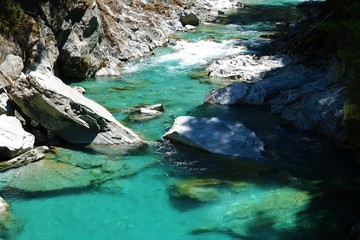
<point>216,136</point>
<point>12,66</point>
<point>146,113</point>
<point>67,113</point>
<point>14,140</point>
<point>246,68</point>
<point>30,156</point>
<point>254,217</point>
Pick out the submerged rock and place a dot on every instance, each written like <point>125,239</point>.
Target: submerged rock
<point>67,113</point>
<point>216,136</point>
<point>14,140</point>
<point>47,176</point>
<point>198,189</point>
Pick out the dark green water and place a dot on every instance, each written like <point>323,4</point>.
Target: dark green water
<point>305,192</point>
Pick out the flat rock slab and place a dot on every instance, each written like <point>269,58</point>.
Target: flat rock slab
<point>14,140</point>
<point>216,136</point>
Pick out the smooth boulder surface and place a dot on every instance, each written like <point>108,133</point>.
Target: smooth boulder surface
<point>12,66</point>
<point>216,136</point>
<point>14,140</point>
<point>66,112</point>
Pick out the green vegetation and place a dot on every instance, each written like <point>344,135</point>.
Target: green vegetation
<point>343,28</point>
<point>10,17</point>
<point>15,25</point>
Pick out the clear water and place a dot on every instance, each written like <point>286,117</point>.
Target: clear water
<point>305,192</point>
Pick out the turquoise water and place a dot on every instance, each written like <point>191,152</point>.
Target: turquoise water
<point>165,191</point>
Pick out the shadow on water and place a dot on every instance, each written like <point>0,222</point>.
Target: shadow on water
<point>303,160</point>
<point>253,14</point>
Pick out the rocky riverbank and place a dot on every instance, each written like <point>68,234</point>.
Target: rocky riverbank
<point>53,40</point>
<point>305,87</point>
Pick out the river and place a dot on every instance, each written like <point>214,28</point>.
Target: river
<point>304,192</point>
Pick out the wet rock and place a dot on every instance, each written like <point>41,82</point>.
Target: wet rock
<point>216,136</point>
<point>68,114</point>
<point>190,19</point>
<point>14,140</point>
<point>28,157</point>
<point>47,176</point>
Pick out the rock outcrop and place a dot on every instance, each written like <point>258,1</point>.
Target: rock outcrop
<point>305,95</point>
<point>246,68</point>
<point>30,156</point>
<point>219,137</point>
<point>66,112</point>
<point>13,138</point>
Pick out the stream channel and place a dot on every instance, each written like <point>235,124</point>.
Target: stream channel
<point>164,191</point>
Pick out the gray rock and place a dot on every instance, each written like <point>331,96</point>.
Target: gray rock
<point>30,156</point>
<point>304,95</point>
<point>80,89</point>
<point>43,51</point>
<point>47,176</point>
<point>176,25</point>
<point>190,19</point>
<point>246,68</point>
<point>216,136</point>
<point>4,209</point>
<point>12,66</point>
<point>289,77</point>
<point>189,27</point>
<point>80,53</point>
<point>68,114</point>
<point>13,138</point>
<point>6,106</point>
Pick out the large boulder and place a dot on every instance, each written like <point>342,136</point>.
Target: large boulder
<point>66,112</point>
<point>216,136</point>
<point>189,19</point>
<point>14,140</point>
